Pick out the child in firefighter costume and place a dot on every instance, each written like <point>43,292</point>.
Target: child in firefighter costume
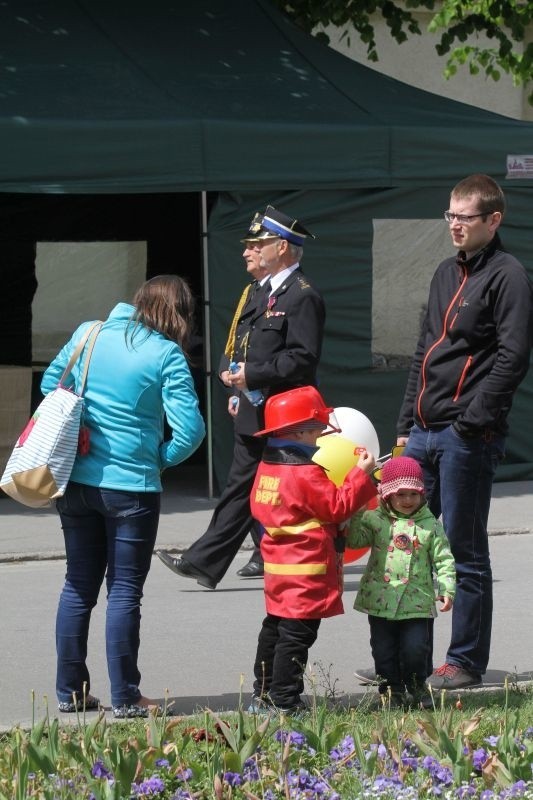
<point>408,545</point>
<point>300,509</point>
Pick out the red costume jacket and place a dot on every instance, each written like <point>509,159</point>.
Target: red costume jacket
<point>300,508</point>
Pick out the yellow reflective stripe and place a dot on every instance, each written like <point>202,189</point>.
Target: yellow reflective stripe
<point>295,569</point>
<point>294,529</point>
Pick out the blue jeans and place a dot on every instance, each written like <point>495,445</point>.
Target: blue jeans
<point>458,476</point>
<point>107,533</point>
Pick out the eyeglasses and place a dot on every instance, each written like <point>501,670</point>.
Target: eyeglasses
<point>463,219</point>
<point>396,451</point>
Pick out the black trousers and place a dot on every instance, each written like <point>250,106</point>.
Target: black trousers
<point>401,650</point>
<point>282,651</point>
<point>232,519</point>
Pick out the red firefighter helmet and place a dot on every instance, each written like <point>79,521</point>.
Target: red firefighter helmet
<point>298,409</point>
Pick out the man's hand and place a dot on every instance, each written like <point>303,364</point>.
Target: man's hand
<point>238,378</point>
<point>224,377</point>
<point>401,441</point>
<point>233,405</point>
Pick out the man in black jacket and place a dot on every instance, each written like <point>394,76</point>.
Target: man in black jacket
<point>278,345</point>
<point>472,354</point>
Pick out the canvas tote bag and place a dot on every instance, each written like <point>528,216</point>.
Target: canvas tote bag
<point>39,467</point>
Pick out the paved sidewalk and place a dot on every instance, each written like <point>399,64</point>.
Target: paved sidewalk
<point>27,533</point>
<point>200,644</point>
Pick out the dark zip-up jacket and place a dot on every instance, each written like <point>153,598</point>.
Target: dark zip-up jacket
<point>474,347</point>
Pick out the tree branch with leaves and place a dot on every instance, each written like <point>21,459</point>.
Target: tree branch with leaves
<point>507,23</point>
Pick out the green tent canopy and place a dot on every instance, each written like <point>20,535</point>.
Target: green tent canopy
<point>228,97</point>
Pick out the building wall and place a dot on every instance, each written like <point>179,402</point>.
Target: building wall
<point>417,63</point>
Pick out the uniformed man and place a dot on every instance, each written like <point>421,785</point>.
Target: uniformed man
<point>252,294</point>
<point>278,345</point>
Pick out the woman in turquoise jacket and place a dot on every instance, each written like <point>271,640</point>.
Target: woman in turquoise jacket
<point>408,547</point>
<point>138,376</point>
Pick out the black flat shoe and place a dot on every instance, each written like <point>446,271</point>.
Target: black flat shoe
<point>253,569</point>
<point>184,568</point>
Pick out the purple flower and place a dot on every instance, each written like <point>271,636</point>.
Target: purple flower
<point>464,791</point>
<point>100,771</point>
<point>233,778</point>
<point>250,770</point>
<point>479,757</point>
<point>492,740</point>
<point>439,774</point>
<point>294,737</point>
<point>162,762</point>
<point>151,786</point>
<point>184,774</point>
<point>344,749</point>
<point>486,794</point>
<point>384,782</point>
<point>517,789</point>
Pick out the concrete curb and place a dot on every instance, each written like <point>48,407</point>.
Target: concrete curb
<point>177,548</point>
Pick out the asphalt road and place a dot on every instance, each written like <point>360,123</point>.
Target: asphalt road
<point>199,645</point>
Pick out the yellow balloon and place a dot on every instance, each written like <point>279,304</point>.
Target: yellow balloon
<point>337,456</point>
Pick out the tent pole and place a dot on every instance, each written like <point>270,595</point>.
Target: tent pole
<point>207,347</point>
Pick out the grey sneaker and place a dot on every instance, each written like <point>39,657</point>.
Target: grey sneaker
<point>367,677</point>
<point>451,676</point>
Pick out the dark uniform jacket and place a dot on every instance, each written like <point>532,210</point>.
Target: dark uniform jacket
<point>474,348</point>
<point>280,340</point>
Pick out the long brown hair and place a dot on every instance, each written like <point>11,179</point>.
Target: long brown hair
<point>165,304</point>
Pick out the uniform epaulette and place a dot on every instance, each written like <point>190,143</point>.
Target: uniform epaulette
<point>304,283</point>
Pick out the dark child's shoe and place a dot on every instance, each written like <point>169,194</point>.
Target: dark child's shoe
<point>296,712</point>
<point>253,569</point>
<point>422,699</point>
<point>451,676</point>
<point>184,568</point>
<point>263,706</point>
<point>367,677</point>
<point>89,703</point>
<point>260,705</point>
<point>393,700</point>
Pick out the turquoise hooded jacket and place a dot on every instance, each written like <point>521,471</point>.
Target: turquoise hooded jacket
<point>130,389</point>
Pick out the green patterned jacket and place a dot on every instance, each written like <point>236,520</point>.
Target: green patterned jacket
<point>405,555</point>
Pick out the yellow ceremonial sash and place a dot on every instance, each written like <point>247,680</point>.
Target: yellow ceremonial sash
<point>229,350</point>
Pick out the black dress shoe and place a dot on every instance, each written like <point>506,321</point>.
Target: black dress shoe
<point>253,569</point>
<point>184,568</point>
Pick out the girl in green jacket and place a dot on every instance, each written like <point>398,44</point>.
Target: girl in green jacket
<point>408,547</point>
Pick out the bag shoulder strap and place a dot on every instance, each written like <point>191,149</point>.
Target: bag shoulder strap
<point>91,333</point>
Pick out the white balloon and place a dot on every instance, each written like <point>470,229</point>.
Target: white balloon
<point>357,429</point>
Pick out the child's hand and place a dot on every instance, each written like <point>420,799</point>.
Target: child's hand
<point>366,461</point>
<point>447,602</point>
